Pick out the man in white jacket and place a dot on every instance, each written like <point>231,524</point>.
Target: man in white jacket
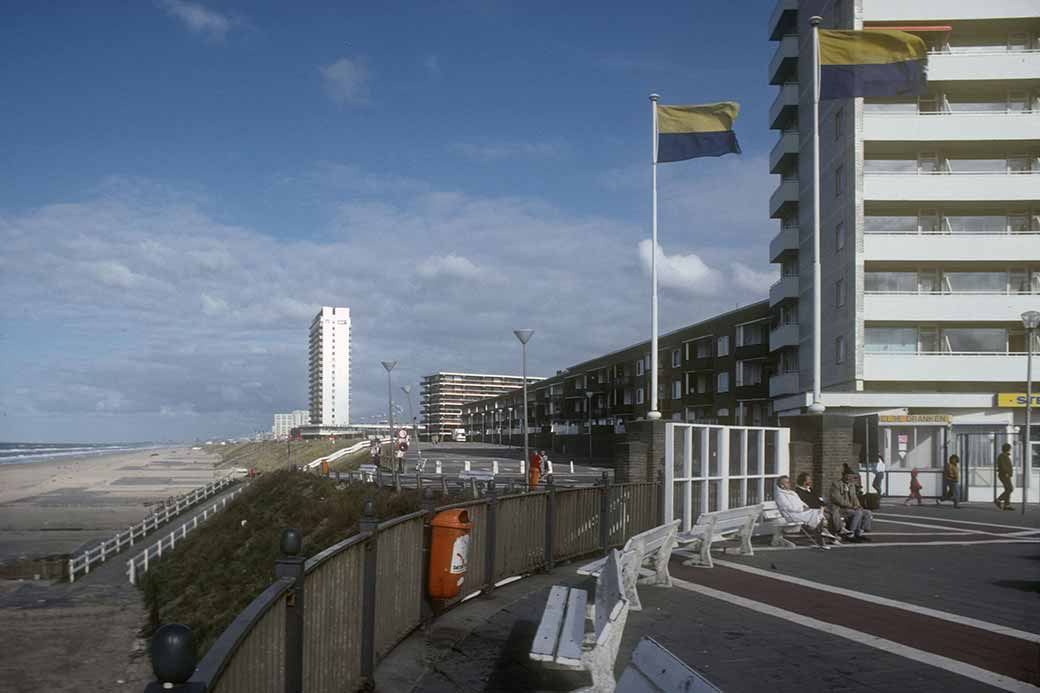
<point>794,509</point>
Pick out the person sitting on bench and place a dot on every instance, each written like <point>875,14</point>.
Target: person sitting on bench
<point>794,510</point>
<point>845,502</point>
<point>805,491</point>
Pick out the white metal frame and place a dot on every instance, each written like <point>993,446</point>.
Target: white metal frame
<point>722,477</point>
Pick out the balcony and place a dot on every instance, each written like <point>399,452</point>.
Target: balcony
<point>783,290</point>
<point>783,19</point>
<point>784,336</point>
<point>996,65</point>
<point>951,187</point>
<point>945,10</point>
<point>981,126</point>
<point>784,65</point>
<point>912,247</point>
<point>784,199</point>
<point>784,384</point>
<point>957,367</point>
<point>784,156</point>
<point>976,307</point>
<point>784,110</point>
<point>784,242</point>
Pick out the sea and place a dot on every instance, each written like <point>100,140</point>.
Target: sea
<point>22,453</point>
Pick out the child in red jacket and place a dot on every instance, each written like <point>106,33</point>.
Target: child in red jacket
<point>915,488</point>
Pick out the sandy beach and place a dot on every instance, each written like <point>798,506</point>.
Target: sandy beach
<point>57,506</point>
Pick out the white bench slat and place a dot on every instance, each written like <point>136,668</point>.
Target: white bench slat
<point>572,635</point>
<point>545,640</point>
<point>610,593</point>
<point>653,669</point>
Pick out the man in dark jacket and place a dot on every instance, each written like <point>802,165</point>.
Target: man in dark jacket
<point>1004,473</point>
<point>843,500</point>
<point>804,489</point>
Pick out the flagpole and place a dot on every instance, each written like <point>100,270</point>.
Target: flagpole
<point>817,406</point>
<point>654,413</point>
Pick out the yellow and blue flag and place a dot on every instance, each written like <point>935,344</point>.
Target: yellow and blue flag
<point>688,132</point>
<point>871,63</point>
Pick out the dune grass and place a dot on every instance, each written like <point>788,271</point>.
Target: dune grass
<point>272,455</point>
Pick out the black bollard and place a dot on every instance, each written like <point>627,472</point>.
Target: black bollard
<point>173,655</point>
<point>291,565</point>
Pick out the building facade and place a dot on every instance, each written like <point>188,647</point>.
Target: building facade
<point>716,371</point>
<point>445,394</point>
<point>929,236</point>
<point>329,372</point>
<point>284,423</point>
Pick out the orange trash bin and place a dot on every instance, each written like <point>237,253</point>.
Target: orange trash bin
<point>449,552</point>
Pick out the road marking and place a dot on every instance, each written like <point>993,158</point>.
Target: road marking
<point>877,545</point>
<point>960,522</point>
<point>967,670</point>
<point>959,530</point>
<point>884,601</point>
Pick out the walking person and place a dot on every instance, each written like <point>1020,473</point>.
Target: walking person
<point>915,488</point>
<point>951,482</point>
<point>534,470</point>
<point>1005,471</point>
<point>879,475</point>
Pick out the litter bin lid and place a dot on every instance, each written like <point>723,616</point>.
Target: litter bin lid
<point>457,519</point>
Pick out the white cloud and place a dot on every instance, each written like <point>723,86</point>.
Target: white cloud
<point>346,81</point>
<point>112,273</point>
<point>686,273</point>
<point>752,280</point>
<point>489,151</point>
<point>213,305</point>
<point>448,266</point>
<point>198,19</point>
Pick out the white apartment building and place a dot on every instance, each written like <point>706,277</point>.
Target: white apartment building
<point>284,423</point>
<point>930,236</point>
<point>329,371</point>
<point>443,395</point>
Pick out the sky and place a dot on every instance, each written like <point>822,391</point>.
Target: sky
<point>187,182</point>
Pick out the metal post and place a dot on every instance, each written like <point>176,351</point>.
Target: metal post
<point>1027,455</point>
<point>291,565</point>
<point>489,550</point>
<point>389,366</point>
<point>604,512</point>
<point>524,336</point>
<point>550,522</point>
<point>588,405</point>
<point>817,406</point>
<point>428,504</point>
<point>369,523</point>
<point>654,413</point>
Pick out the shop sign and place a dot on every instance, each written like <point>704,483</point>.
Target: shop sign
<point>915,419</point>
<point>1015,399</point>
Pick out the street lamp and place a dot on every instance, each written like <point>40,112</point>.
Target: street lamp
<point>588,407</point>
<point>1030,320</point>
<point>407,389</point>
<point>389,366</point>
<point>524,336</point>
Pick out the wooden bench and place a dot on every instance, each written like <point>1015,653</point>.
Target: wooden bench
<point>653,669</point>
<point>721,525</point>
<point>654,544</point>
<point>561,638</point>
<point>775,524</point>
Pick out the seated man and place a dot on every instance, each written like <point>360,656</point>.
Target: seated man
<point>794,510</point>
<point>808,496</point>
<point>844,501</point>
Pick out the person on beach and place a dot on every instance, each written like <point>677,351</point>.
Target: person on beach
<point>845,501</point>
<point>951,482</point>
<point>534,470</point>
<point>915,488</point>
<point>1005,470</point>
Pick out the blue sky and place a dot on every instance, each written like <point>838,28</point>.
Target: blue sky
<point>186,182</point>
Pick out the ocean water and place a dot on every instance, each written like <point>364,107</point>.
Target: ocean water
<point>21,453</point>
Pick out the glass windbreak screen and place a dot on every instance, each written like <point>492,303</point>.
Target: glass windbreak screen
<point>888,282</point>
<point>956,339</point>
<point>890,107</point>
<point>889,224</point>
<point>977,165</point>
<point>975,282</point>
<point>899,340</point>
<point>976,224</point>
<point>889,166</point>
<point>976,106</point>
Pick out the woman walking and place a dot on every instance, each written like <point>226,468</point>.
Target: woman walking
<point>951,482</point>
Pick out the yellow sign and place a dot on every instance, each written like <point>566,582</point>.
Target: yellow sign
<point>1015,399</point>
<point>910,419</point>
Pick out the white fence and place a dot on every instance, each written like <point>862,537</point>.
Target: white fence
<point>356,447</point>
<point>110,547</point>
<point>139,564</point>
<point>708,468</point>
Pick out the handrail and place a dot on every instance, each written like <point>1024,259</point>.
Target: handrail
<point>903,114</point>
<point>943,353</point>
<point>321,557</point>
<point>1030,172</point>
<point>394,521</point>
<point>950,293</point>
<point>952,234</point>
<point>219,655</point>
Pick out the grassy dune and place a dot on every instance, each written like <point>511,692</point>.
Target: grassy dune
<point>269,456</point>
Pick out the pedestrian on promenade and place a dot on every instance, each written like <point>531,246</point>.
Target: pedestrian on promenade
<point>879,474</point>
<point>915,488</point>
<point>534,470</point>
<point>1004,473</point>
<point>951,482</point>
<point>843,499</point>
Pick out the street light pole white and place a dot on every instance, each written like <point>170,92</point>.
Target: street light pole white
<point>389,366</point>
<point>524,336</point>
<point>653,414</point>
<point>407,389</point>
<point>817,406</point>
<point>1030,320</point>
<point>588,406</point>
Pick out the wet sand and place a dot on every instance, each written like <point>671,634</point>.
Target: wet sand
<point>57,506</point>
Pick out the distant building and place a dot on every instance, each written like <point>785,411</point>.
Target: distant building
<point>283,423</point>
<point>330,367</point>
<point>444,394</point>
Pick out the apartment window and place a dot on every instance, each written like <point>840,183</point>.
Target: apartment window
<point>639,396</point>
<point>703,348</point>
<point>723,347</point>
<point>839,116</point>
<point>749,373</point>
<point>723,382</point>
<point>676,358</point>
<point>639,367</point>
<point>839,179</point>
<point>974,339</point>
<point>839,293</point>
<point>703,384</point>
<point>839,350</point>
<point>928,340</point>
<point>839,237</point>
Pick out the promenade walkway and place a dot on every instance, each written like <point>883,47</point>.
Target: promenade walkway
<point>940,600</point>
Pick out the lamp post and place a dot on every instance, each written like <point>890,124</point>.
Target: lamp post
<point>588,407</point>
<point>389,366</point>
<point>407,389</point>
<point>1030,320</point>
<point>509,421</point>
<point>524,336</point>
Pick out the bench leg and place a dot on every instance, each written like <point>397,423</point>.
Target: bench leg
<point>632,562</point>
<point>703,557</point>
<point>780,540</point>
<point>599,659</point>
<point>661,575</point>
